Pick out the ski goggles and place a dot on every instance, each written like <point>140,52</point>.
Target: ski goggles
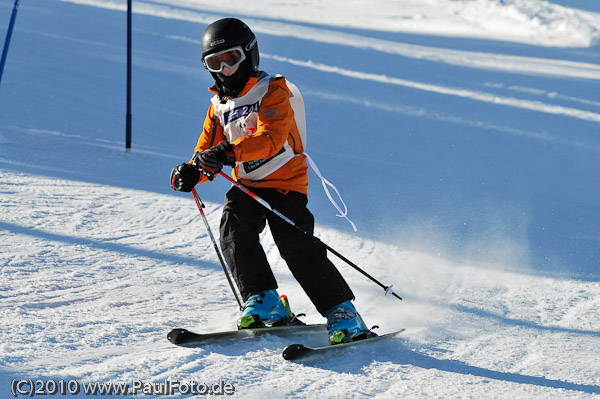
<point>229,58</point>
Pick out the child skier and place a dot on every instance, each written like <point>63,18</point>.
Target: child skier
<point>250,126</point>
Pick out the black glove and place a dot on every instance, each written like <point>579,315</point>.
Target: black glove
<point>184,177</point>
<point>226,154</point>
<point>211,161</point>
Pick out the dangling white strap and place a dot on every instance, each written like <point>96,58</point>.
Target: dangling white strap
<point>325,183</point>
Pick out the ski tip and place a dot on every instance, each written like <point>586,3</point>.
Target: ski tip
<point>294,351</point>
<point>176,336</point>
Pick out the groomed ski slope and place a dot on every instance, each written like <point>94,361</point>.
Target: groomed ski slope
<point>91,285</point>
<point>467,152</point>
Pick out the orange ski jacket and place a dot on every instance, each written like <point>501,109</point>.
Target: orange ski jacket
<point>260,126</point>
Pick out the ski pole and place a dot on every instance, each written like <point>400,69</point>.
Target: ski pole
<point>11,25</point>
<point>388,289</point>
<point>200,205</point>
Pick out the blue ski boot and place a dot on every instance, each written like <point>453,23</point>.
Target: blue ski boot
<point>265,309</point>
<point>345,324</point>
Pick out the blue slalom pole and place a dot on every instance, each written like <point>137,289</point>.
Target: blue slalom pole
<point>8,36</point>
<point>128,112</point>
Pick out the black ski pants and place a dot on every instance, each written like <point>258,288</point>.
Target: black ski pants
<point>244,219</point>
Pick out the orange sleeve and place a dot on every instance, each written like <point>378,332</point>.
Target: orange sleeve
<point>212,134</point>
<point>275,118</point>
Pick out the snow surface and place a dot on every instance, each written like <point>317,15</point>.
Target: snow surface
<point>463,135</point>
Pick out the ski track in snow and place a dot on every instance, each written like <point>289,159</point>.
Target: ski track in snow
<point>478,96</point>
<point>96,284</point>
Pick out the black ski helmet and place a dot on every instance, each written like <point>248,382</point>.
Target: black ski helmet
<point>227,33</point>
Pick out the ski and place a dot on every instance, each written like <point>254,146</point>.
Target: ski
<point>183,337</point>
<point>299,351</point>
